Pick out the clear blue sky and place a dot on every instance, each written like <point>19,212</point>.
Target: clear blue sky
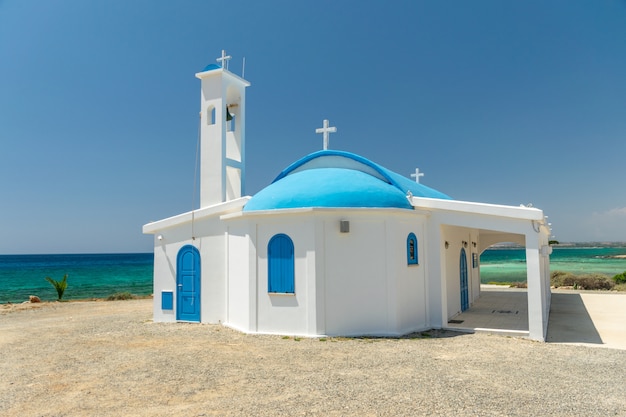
<point>503,102</point>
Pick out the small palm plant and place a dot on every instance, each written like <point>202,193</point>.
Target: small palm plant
<point>60,286</point>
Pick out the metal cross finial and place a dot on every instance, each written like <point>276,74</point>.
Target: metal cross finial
<point>326,131</point>
<point>224,59</point>
<point>417,175</point>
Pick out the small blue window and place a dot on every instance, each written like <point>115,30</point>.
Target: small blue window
<point>280,265</point>
<point>167,300</point>
<point>411,250</point>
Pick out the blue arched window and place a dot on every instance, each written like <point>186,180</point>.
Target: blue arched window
<point>280,265</point>
<point>411,250</point>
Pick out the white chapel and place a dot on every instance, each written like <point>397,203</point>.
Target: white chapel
<point>335,245</point>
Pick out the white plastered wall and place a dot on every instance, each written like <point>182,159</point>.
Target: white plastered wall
<point>357,288</point>
<point>170,235</point>
<point>370,288</point>
<point>351,283</point>
<point>409,300</point>
<point>241,276</point>
<point>210,242</point>
<point>287,313</point>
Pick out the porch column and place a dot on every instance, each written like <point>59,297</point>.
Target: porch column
<point>537,305</point>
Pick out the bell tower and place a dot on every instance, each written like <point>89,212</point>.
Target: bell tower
<point>222,133</point>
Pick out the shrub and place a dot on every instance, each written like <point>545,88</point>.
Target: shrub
<point>121,296</point>
<point>60,286</point>
<point>559,278</point>
<point>620,278</point>
<point>581,282</point>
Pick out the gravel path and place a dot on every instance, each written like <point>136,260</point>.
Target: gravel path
<point>109,359</point>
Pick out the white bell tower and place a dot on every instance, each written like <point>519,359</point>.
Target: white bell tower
<point>222,134</point>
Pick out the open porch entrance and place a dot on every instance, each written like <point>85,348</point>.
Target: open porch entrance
<point>504,310</point>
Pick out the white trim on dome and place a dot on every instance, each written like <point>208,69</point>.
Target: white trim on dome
<point>338,161</point>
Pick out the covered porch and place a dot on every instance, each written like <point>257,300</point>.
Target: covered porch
<point>485,225</point>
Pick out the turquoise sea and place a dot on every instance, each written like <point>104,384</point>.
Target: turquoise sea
<point>509,265</point>
<point>100,275</point>
<point>89,275</point>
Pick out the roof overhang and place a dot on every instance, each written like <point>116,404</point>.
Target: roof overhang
<point>216,70</point>
<point>513,212</point>
<point>216,210</point>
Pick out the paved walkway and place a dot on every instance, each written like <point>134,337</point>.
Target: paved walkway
<point>576,317</point>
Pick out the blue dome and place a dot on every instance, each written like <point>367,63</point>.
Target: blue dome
<point>210,67</point>
<point>338,179</point>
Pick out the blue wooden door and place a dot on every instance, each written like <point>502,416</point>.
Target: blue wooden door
<point>464,287</point>
<point>188,284</point>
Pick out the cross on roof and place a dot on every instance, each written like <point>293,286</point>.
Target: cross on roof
<point>326,131</point>
<point>224,59</point>
<point>417,175</point>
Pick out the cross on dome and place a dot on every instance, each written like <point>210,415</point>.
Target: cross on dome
<point>224,59</point>
<point>417,175</point>
<point>326,131</point>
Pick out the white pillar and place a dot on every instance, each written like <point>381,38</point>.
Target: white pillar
<point>319,275</point>
<point>537,306</point>
<point>437,302</point>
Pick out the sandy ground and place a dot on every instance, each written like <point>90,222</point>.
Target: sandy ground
<point>109,359</point>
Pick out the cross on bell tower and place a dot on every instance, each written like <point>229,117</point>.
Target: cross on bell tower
<point>326,131</point>
<point>224,59</point>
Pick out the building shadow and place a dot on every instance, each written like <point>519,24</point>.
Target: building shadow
<point>570,322</point>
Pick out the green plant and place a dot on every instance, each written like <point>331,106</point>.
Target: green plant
<point>620,278</point>
<point>60,286</point>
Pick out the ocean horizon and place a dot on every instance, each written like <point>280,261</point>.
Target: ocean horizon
<point>89,275</point>
<point>102,275</point>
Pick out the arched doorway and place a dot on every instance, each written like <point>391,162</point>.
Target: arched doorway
<point>464,284</point>
<point>188,284</point>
